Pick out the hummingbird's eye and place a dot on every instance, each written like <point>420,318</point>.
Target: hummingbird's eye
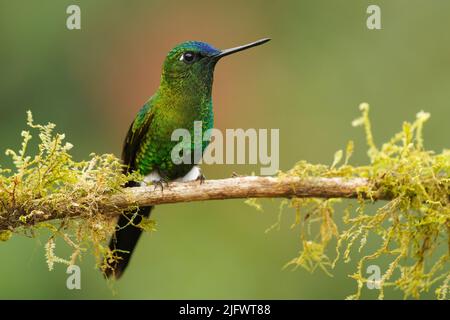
<point>188,57</point>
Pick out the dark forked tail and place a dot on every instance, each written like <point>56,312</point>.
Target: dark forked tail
<point>124,241</point>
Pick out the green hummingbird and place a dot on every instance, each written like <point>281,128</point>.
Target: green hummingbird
<point>184,96</point>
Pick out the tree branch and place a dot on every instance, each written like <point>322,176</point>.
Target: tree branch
<point>176,192</point>
<point>242,187</point>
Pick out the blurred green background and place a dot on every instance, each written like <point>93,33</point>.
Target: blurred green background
<point>308,82</point>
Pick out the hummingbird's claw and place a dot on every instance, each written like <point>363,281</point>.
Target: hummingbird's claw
<point>160,183</point>
<point>201,178</point>
<point>235,175</point>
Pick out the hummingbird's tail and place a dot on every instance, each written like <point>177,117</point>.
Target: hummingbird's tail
<point>124,240</point>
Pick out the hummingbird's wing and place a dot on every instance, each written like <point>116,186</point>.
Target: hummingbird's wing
<point>126,235</point>
<point>135,136</point>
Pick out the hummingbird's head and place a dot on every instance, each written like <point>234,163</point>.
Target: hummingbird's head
<point>194,62</point>
<point>190,59</point>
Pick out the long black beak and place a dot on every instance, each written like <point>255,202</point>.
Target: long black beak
<point>227,52</point>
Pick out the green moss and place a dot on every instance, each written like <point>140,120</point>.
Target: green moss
<point>253,202</point>
<point>147,224</point>
<point>5,235</point>
<point>51,182</point>
<point>413,227</point>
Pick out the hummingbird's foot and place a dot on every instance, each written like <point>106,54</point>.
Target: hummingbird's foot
<point>201,178</point>
<point>160,183</point>
<point>156,179</point>
<point>235,175</point>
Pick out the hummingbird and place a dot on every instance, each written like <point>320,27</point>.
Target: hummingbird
<point>183,96</point>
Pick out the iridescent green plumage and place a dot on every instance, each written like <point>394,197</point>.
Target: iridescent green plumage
<point>183,97</point>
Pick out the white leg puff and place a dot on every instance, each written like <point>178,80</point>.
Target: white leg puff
<point>192,175</point>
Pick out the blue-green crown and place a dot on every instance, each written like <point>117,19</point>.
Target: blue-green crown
<point>195,46</point>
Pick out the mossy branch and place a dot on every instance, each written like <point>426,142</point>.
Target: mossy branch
<point>410,230</point>
<point>175,192</point>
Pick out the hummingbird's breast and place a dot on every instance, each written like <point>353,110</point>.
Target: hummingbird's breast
<point>171,115</point>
